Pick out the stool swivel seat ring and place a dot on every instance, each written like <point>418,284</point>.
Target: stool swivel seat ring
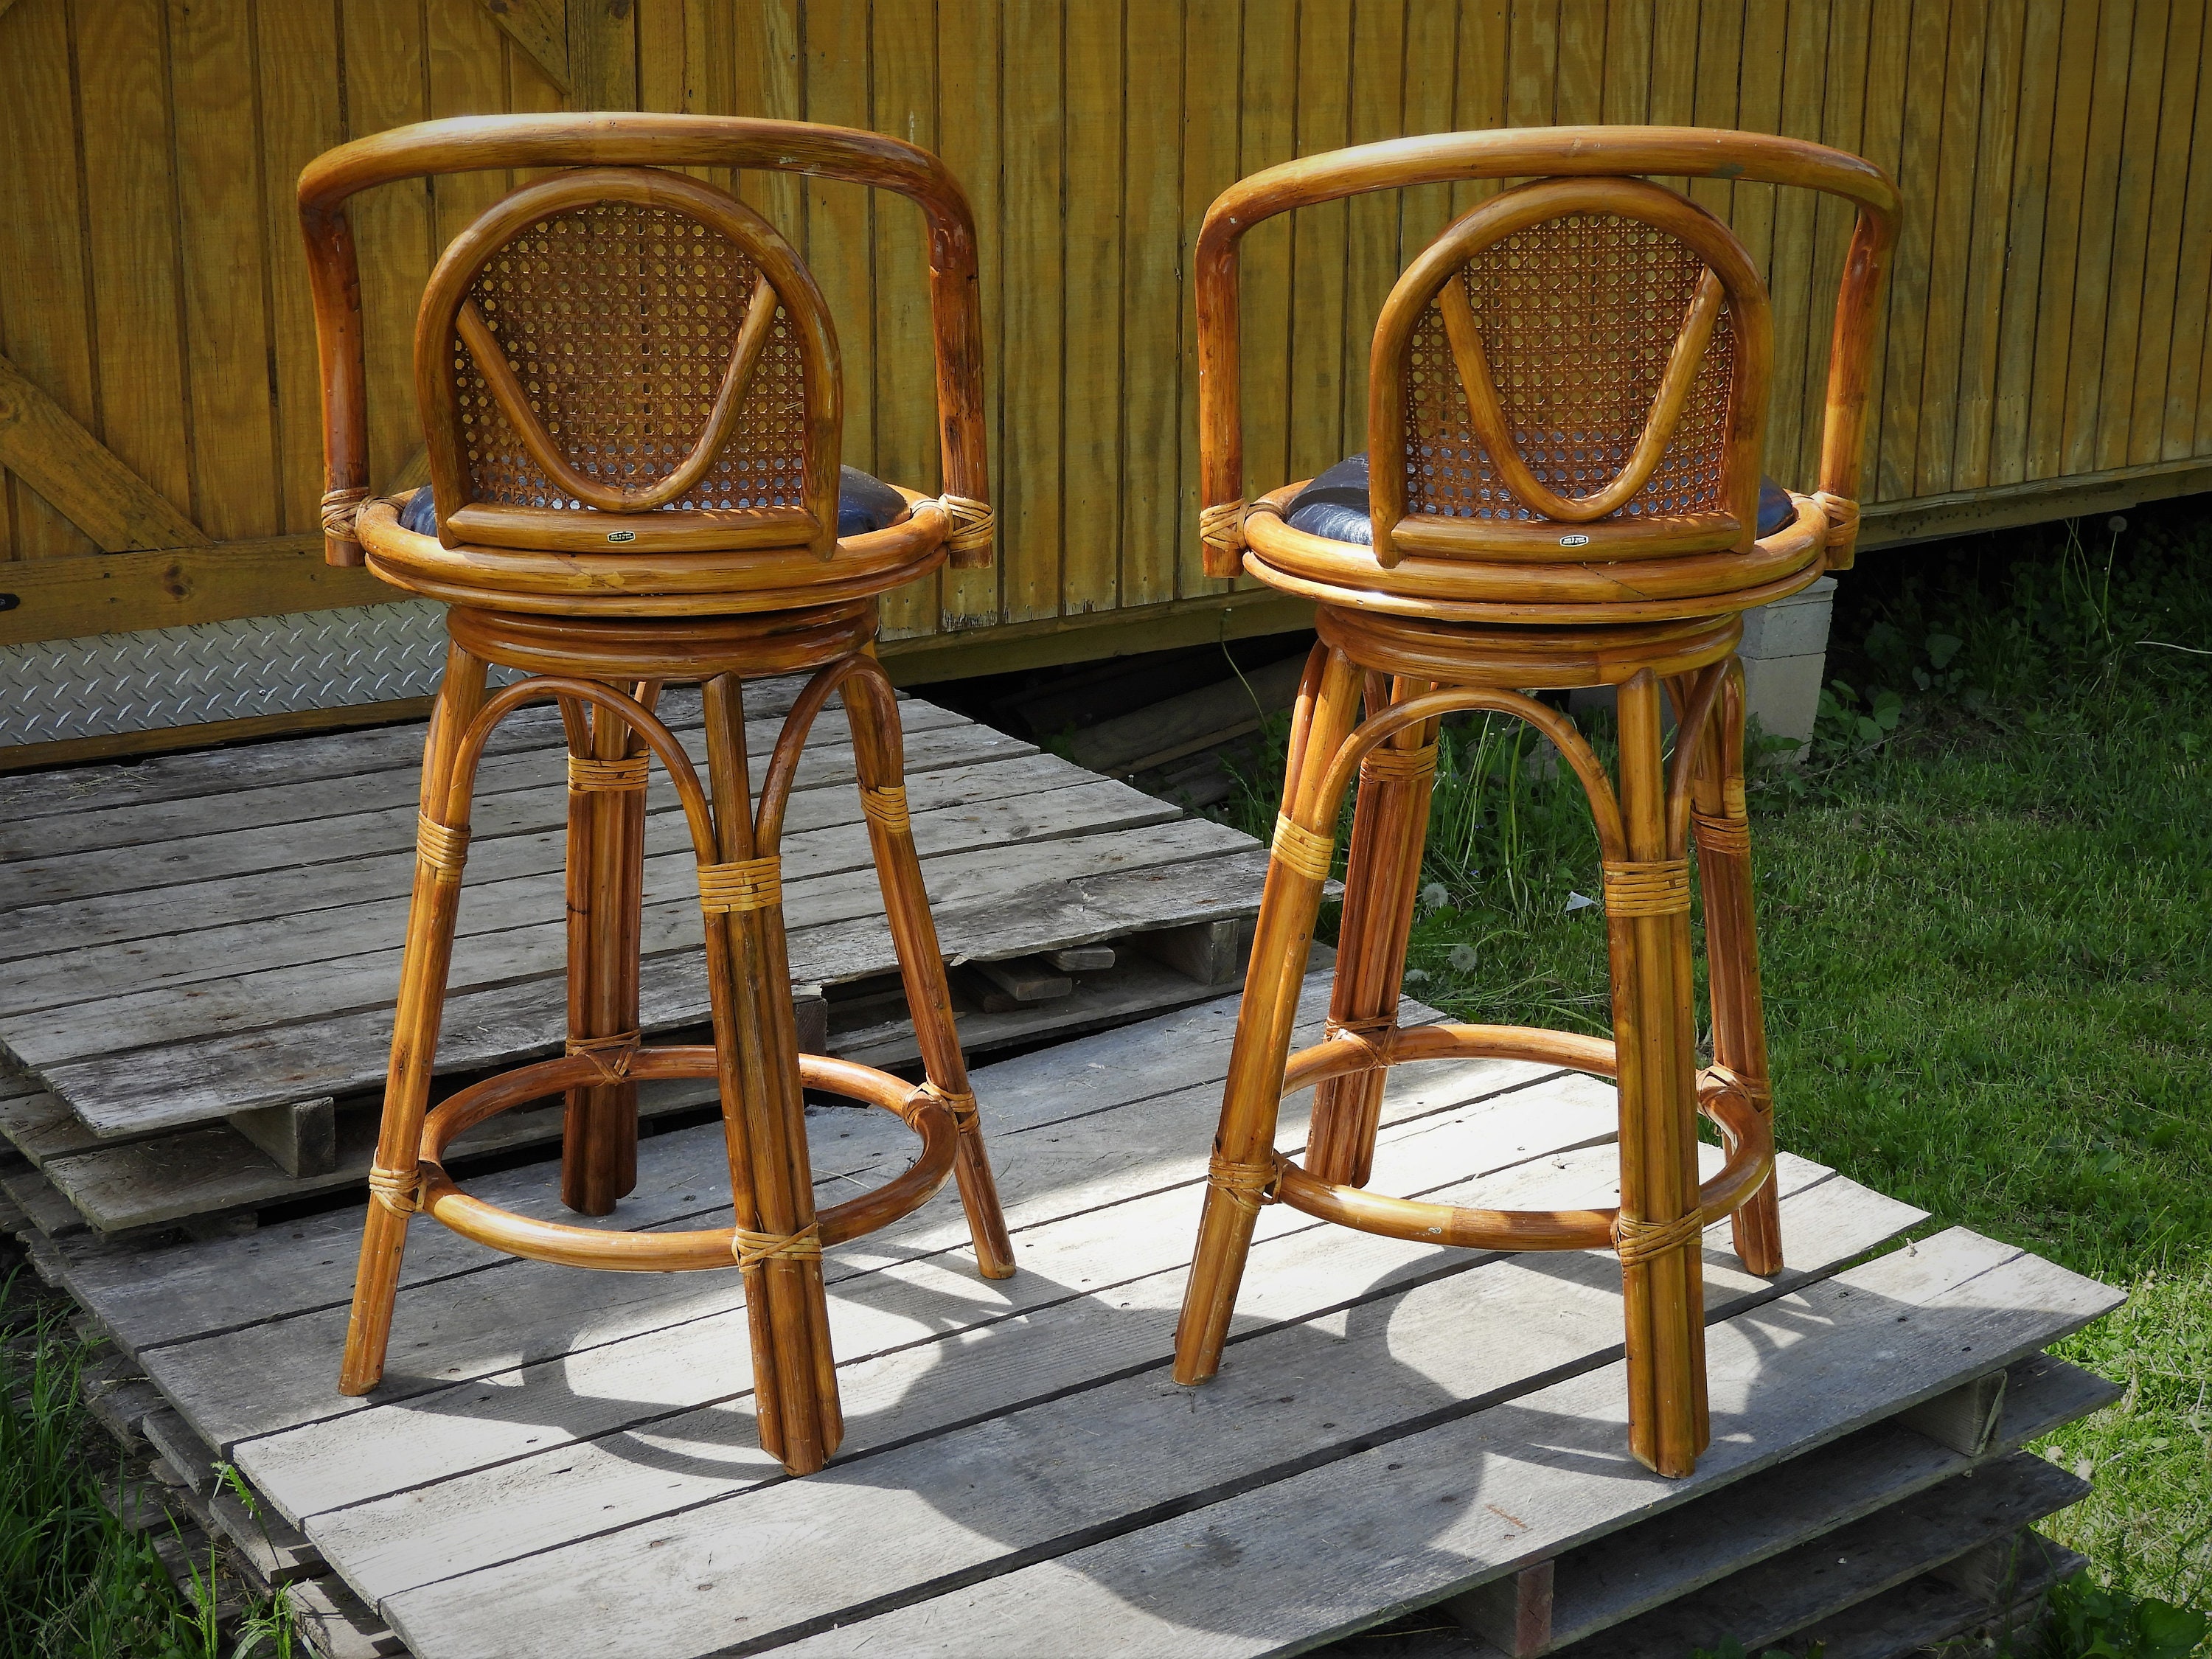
<point>629,387</point>
<point>1567,406</point>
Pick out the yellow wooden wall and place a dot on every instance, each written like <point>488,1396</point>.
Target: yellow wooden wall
<point>2046,317</point>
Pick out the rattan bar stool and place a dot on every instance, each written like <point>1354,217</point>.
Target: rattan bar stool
<point>629,387</point>
<point>1567,405</point>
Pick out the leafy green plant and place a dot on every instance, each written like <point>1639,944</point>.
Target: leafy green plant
<point>2088,1621</point>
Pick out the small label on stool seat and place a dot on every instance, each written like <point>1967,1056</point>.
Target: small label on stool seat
<point>631,536</point>
<point>1565,540</point>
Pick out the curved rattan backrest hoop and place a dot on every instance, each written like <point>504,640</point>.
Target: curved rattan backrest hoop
<point>491,142</point>
<point>452,331</point>
<point>1539,153</point>
<point>1439,287</point>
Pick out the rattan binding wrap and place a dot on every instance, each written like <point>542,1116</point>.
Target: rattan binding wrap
<point>1222,526</point>
<point>1247,1186</point>
<point>1639,1240</point>
<point>611,1055</point>
<point>339,508</point>
<point>742,884</point>
<point>1721,836</point>
<point>1400,765</point>
<point>621,320</point>
<point>972,526</point>
<point>587,774</point>
<point>398,1190</point>
<point>1577,316</point>
<point>887,806</point>
<point>1309,854</point>
<point>753,1250</point>
<point>1659,888</point>
<point>443,847</point>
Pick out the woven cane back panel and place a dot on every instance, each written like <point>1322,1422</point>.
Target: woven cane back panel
<point>620,320</point>
<point>1577,317</point>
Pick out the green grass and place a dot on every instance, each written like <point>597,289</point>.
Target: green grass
<point>75,1583</point>
<point>1985,915</point>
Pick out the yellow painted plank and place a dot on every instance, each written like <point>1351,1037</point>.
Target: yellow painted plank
<point>131,238</point>
<point>2093,248</point>
<point>2145,427</point>
<point>765,75</point>
<point>2131,240</point>
<point>2062,233</point>
<point>2025,236</point>
<point>1431,81</point>
<point>1532,49</point>
<point>468,76</point>
<point>2182,114</point>
<point>539,27</point>
<point>1154,303</point>
<point>1580,99</point>
<point>1719,53</point>
<point>52,451</point>
<point>839,243</point>
<point>392,224</point>
<point>1212,34</point>
<point>1371,265</point>
<point>1092,446</point>
<point>1790,266</point>
<point>226,317</point>
<point>297,52</point>
<point>967,107</point>
<point>71,599</point>
<point>903,57</point>
<point>1882,140</point>
<point>1843,124</point>
<point>1267,135</point>
<point>1628,99</point>
<point>1769,29</point>
<point>2192,289</point>
<point>1031,367</point>
<point>1318,319</point>
<point>1916,180</point>
<point>602,54</point>
<point>44,327</point>
<point>662,69</point>
<point>1481,72</point>
<point>1673,81</point>
<point>1981,312</point>
<point>1955,175</point>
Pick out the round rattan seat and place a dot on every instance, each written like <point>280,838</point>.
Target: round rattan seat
<point>1567,416</point>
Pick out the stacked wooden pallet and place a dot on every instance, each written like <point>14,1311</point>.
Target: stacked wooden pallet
<point>563,1463</point>
<point>198,954</point>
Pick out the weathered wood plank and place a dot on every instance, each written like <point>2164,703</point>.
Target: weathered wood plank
<point>2180,113</point>
<point>61,1043</point>
<point>1091,111</point>
<point>1923,1614</point>
<point>1495,1487</point>
<point>521,884</point>
<point>1849,1566</point>
<point>46,447</point>
<point>1658,1561</point>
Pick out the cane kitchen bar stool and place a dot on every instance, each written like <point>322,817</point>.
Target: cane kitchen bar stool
<point>629,387</point>
<point>1568,395</point>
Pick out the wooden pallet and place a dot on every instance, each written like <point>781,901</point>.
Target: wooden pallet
<point>199,953</point>
<point>564,1463</point>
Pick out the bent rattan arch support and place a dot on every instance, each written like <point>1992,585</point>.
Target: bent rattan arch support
<point>694,541</point>
<point>1604,535</point>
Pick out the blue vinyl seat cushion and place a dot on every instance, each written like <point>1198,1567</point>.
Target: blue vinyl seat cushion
<point>1335,505</point>
<point>864,503</point>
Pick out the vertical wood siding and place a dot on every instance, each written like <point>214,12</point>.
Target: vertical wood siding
<point>2047,314</point>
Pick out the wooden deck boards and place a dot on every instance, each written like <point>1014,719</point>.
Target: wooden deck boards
<point>196,938</point>
<point>563,1463</point>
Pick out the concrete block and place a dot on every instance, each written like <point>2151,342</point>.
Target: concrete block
<point>1784,693</point>
<point>1795,627</point>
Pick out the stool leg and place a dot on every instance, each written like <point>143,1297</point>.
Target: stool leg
<point>1732,951</point>
<point>879,754</point>
<point>1655,1039</point>
<point>1327,708</point>
<point>607,882</point>
<point>424,964</point>
<point>1381,880</point>
<point>764,1127</point>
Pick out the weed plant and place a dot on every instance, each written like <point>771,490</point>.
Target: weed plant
<point>1985,913</point>
<point>75,1583</point>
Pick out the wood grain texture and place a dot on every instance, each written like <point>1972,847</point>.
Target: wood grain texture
<point>79,475</point>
